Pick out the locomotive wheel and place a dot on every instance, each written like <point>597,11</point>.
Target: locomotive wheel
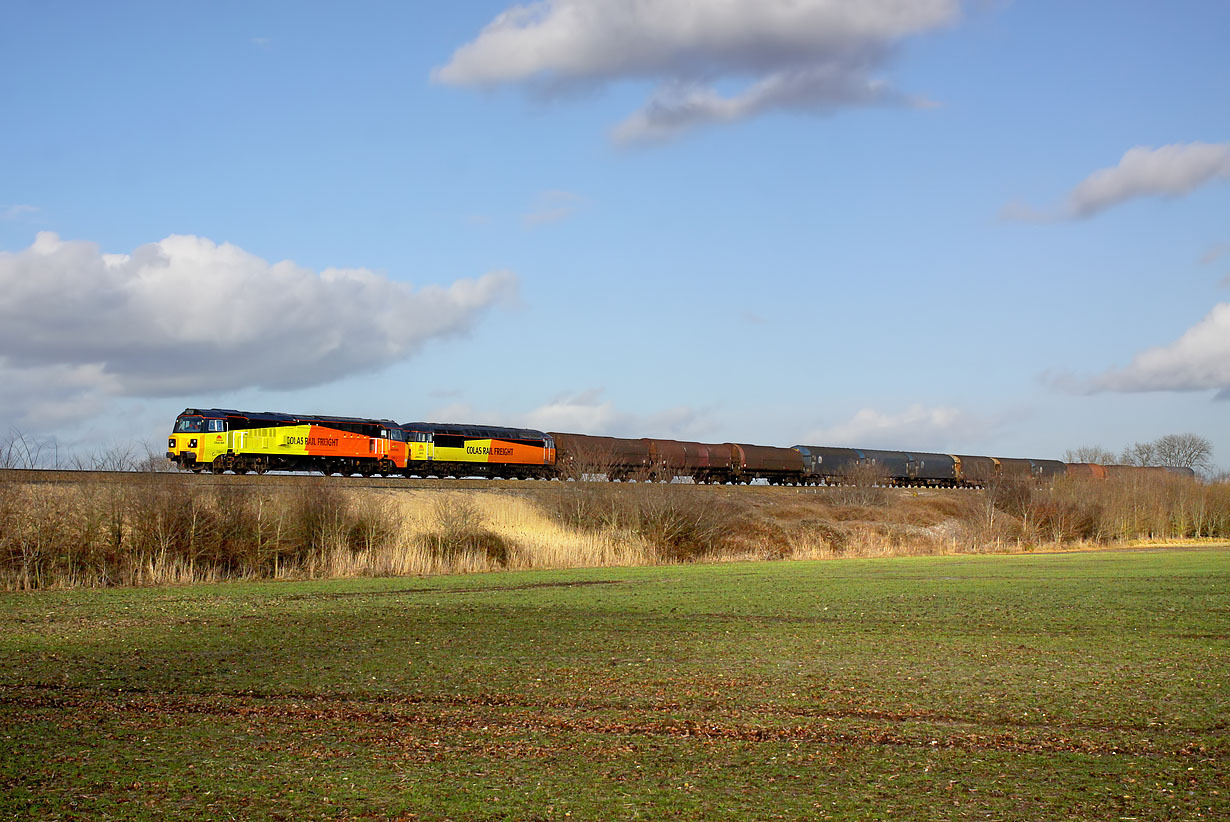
<point>260,466</point>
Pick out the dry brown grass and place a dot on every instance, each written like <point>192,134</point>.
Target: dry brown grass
<point>129,533</point>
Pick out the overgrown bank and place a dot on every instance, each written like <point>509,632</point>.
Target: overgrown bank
<point>132,533</point>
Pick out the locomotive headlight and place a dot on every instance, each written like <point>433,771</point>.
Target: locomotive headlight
<point>192,443</point>
<point>170,442</point>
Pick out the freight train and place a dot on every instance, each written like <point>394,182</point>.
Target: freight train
<point>220,440</point>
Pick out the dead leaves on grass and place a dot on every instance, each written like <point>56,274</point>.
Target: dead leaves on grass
<point>432,726</point>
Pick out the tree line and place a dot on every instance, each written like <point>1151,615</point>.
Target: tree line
<point>1177,450</point>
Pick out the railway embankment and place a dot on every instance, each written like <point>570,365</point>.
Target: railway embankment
<point>81,529</point>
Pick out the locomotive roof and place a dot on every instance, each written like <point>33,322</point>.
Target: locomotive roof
<point>464,430</point>
<point>274,416</point>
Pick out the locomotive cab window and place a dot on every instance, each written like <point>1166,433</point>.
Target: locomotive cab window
<point>216,425</point>
<point>189,425</point>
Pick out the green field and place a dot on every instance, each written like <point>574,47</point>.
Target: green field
<point>1065,686</point>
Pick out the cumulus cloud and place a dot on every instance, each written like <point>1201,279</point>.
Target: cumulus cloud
<point>916,427</point>
<point>186,314</point>
<point>1198,361</point>
<point>805,55</point>
<point>52,397</point>
<point>588,413</point>
<point>1167,171</point>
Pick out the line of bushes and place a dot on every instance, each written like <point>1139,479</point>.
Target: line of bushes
<point>142,532</point>
<point>118,533</point>
<point>1120,508</point>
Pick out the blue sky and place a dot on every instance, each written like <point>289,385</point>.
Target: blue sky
<point>908,225</point>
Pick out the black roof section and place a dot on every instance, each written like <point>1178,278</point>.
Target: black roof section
<point>481,431</point>
<point>273,416</point>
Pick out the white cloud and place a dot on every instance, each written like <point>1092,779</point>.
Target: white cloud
<point>12,212</point>
<point>808,55</point>
<point>585,413</point>
<point>188,315</point>
<point>552,207</point>
<point>917,427</point>
<point>54,397</point>
<point>1214,253</point>
<point>1197,361</point>
<point>588,413</point>
<point>1167,171</point>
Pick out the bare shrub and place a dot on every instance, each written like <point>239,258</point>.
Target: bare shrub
<point>834,538</point>
<point>155,460</point>
<point>681,527</point>
<point>583,504</point>
<point>862,484</point>
<point>462,534</point>
<point>679,524</point>
<point>178,531</point>
<point>35,536</point>
<point>18,450</point>
<point>120,457</point>
<point>1058,518</point>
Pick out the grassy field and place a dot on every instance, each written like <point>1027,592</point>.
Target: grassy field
<point>1025,687</point>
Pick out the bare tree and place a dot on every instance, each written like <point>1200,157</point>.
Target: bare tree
<point>1184,451</point>
<point>153,461</point>
<point>18,450</point>
<point>1090,453</point>
<point>120,457</point>
<point>1140,453</point>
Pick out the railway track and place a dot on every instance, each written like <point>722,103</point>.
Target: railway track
<point>52,476</point>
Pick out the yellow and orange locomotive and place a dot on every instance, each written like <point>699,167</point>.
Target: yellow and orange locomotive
<point>218,440</point>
